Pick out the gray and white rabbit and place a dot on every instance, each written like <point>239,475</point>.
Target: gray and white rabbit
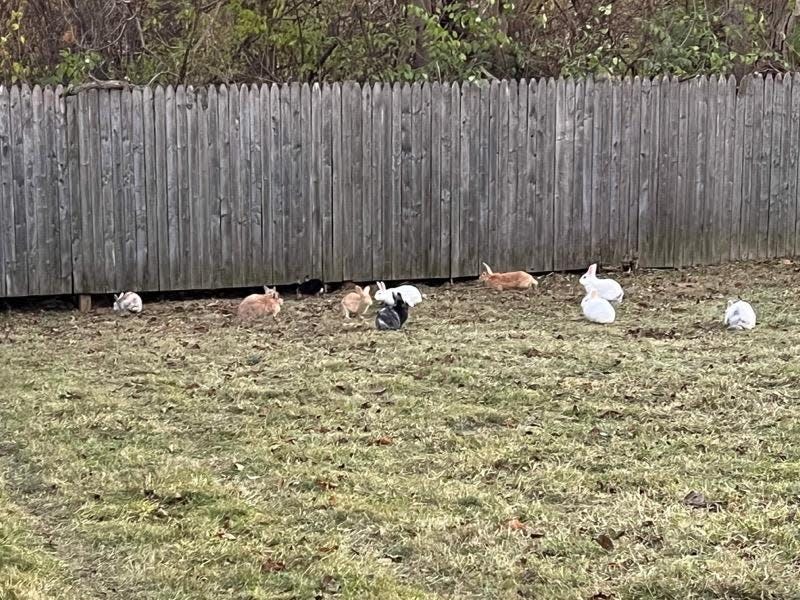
<point>740,315</point>
<point>127,302</point>
<point>392,317</point>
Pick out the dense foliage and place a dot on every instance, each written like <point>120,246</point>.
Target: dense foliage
<point>200,41</point>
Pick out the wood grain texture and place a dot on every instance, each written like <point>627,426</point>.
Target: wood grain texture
<point>455,166</point>
<point>314,181</point>
<point>123,233</point>
<point>264,270</point>
<point>427,263</point>
<point>382,149</point>
<point>150,188</point>
<point>276,191</point>
<point>339,202</point>
<point>7,250</point>
<point>395,222</point>
<point>437,264</point>
<point>344,208</point>
<point>408,206</point>
<point>522,241</point>
<point>793,220</point>
<point>202,196</point>
<point>31,109</point>
<point>737,167</point>
<point>764,169</point>
<point>565,109</point>
<point>329,256</point>
<point>681,176</point>
<point>778,181</point>
<point>752,132</point>
<point>616,244</point>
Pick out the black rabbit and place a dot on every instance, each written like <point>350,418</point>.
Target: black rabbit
<point>311,287</point>
<point>392,317</point>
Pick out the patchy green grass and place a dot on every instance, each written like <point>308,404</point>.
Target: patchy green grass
<point>498,447</point>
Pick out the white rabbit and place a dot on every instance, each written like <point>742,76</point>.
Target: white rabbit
<point>127,302</point>
<point>740,315</point>
<point>597,309</point>
<point>409,293</point>
<point>608,289</point>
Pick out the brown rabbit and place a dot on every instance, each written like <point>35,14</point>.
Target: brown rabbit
<point>260,305</point>
<point>357,302</point>
<point>514,280</point>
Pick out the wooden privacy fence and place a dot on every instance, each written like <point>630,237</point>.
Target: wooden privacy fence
<point>184,188</point>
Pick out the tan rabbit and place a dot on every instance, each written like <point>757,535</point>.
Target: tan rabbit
<point>260,305</point>
<point>357,302</point>
<point>514,280</point>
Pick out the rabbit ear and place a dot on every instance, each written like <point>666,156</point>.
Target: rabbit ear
<point>592,270</point>
<point>366,290</point>
<point>488,268</point>
<point>358,289</point>
<point>116,296</point>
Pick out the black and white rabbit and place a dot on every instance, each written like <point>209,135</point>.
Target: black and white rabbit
<point>310,287</point>
<point>392,317</point>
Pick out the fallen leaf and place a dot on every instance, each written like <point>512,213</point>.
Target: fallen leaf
<point>225,535</point>
<point>238,466</point>
<point>605,541</point>
<point>395,558</point>
<point>696,499</point>
<point>383,441</point>
<point>329,584</point>
<point>272,566</point>
<point>378,391</point>
<point>516,525</point>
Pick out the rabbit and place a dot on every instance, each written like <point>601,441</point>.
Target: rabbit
<point>392,317</point>
<point>259,305</point>
<point>608,289</point>
<point>127,302</point>
<point>513,280</point>
<point>271,292</point>
<point>410,294</point>
<point>597,309</point>
<point>740,315</point>
<point>357,302</point>
<point>311,287</point>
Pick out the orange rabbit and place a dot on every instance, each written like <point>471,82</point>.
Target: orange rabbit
<point>357,302</point>
<point>514,280</point>
<point>259,305</point>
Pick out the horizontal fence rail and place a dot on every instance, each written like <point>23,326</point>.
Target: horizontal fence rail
<point>198,188</point>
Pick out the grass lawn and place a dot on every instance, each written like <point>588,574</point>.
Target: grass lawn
<point>497,447</point>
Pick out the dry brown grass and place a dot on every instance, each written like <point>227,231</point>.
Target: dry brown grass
<point>497,447</point>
